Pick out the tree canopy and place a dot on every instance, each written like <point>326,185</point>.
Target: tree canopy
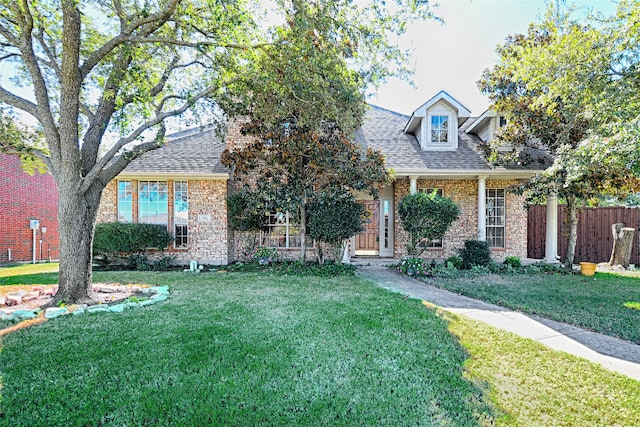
<point>566,87</point>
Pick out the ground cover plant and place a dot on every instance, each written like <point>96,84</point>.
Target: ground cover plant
<point>249,348</point>
<point>596,303</point>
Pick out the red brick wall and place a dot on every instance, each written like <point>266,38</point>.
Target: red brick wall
<point>24,197</point>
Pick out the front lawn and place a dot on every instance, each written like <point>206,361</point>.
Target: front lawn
<point>242,349</point>
<point>602,303</point>
<point>259,349</point>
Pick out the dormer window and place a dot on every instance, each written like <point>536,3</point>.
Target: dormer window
<point>435,123</point>
<point>439,129</point>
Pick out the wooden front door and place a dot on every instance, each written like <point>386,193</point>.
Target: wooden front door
<point>367,242</point>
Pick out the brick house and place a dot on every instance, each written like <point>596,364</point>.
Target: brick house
<point>25,198</point>
<point>437,148</point>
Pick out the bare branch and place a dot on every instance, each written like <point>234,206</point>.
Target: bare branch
<point>18,102</point>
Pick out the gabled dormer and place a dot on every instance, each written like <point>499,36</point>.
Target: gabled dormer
<point>487,125</point>
<point>435,123</point>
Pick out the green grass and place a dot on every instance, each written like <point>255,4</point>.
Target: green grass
<point>29,274</point>
<point>243,349</point>
<point>596,303</point>
<point>535,386</point>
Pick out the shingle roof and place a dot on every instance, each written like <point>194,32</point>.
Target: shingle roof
<point>383,130</point>
<point>192,152</point>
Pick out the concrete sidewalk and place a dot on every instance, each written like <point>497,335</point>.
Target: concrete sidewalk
<point>612,353</point>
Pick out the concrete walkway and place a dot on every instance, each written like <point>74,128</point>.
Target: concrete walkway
<point>612,353</point>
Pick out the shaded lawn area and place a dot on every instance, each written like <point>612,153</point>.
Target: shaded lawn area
<point>596,303</point>
<point>243,349</point>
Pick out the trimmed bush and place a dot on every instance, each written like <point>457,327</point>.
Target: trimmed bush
<point>513,261</point>
<point>475,252</point>
<point>115,241</point>
<point>426,217</point>
<point>332,218</point>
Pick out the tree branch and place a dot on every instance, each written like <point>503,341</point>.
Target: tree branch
<point>111,171</point>
<point>159,119</point>
<point>18,102</point>
<point>158,19</point>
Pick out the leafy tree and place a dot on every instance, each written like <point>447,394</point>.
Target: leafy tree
<point>296,167</point>
<point>563,116</point>
<point>426,217</point>
<point>98,78</point>
<point>306,99</point>
<point>333,218</point>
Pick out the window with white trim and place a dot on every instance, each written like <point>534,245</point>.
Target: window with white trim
<point>495,214</point>
<point>181,213</point>
<point>281,232</point>
<point>439,129</point>
<point>125,201</point>
<point>153,202</point>
<point>435,243</point>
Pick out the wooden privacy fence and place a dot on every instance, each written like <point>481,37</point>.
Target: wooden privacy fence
<point>595,239</point>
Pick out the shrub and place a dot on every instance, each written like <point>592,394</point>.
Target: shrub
<point>513,261</point>
<point>244,211</point>
<point>263,255</point>
<point>333,218</point>
<point>411,266</point>
<point>454,261</point>
<point>128,241</point>
<point>426,217</point>
<point>475,252</point>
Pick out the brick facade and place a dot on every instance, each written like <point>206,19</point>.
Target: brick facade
<point>208,241</point>
<point>24,197</point>
<point>464,193</point>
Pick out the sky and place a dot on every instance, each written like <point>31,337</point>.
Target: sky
<point>452,56</point>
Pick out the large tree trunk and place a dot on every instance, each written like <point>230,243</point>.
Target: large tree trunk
<point>76,217</point>
<point>573,232</point>
<point>622,245</point>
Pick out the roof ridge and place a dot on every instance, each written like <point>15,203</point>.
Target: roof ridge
<point>377,107</point>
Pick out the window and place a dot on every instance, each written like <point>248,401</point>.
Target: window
<point>281,232</point>
<point>502,122</point>
<point>181,212</point>
<point>153,202</point>
<point>439,129</point>
<point>495,217</point>
<point>435,243</point>
<point>125,202</point>
<point>386,223</point>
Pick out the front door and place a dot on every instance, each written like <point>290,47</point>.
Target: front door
<point>367,242</point>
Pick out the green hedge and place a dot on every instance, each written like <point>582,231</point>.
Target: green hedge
<point>117,240</point>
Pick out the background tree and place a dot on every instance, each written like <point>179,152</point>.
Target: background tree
<point>305,101</point>
<point>334,217</point>
<point>548,111</point>
<point>89,69</point>
<point>426,217</point>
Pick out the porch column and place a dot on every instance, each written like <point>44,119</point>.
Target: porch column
<point>482,209</point>
<point>413,184</point>
<point>551,235</point>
